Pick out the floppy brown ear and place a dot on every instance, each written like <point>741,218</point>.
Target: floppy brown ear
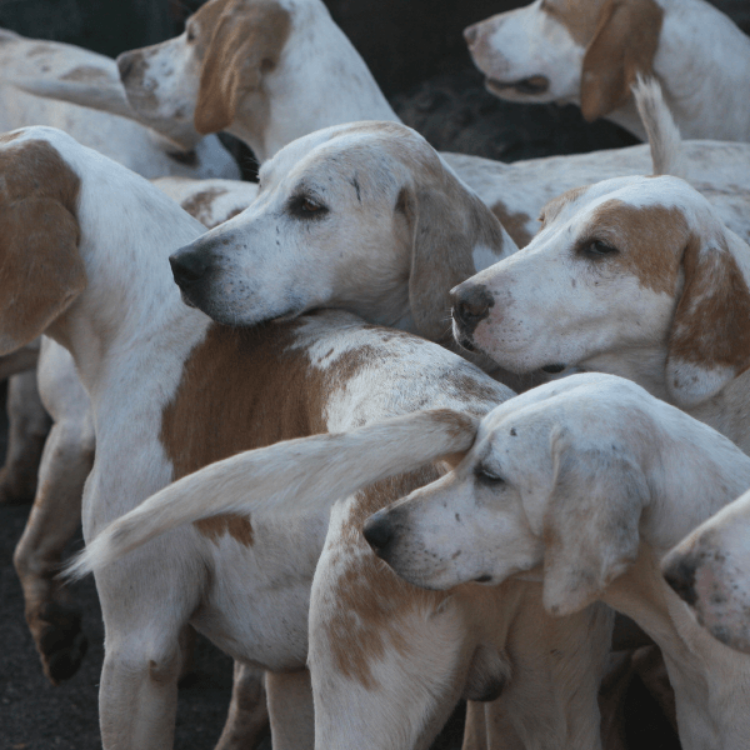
<point>624,44</point>
<point>591,525</point>
<point>447,223</point>
<point>709,344</point>
<point>245,45</point>
<point>41,271</point>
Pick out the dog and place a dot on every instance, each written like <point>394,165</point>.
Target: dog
<point>143,356</point>
<point>585,483</point>
<point>589,52</point>
<point>709,570</point>
<point>260,69</point>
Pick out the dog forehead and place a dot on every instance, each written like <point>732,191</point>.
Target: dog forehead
<point>579,17</point>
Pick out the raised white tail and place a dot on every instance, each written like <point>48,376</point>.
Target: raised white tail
<point>663,134</point>
<point>294,475</point>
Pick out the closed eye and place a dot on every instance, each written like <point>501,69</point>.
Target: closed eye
<point>191,33</point>
<point>487,477</point>
<point>596,249</point>
<point>306,207</point>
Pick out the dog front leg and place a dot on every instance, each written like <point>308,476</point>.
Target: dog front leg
<point>28,426</point>
<point>290,707</point>
<point>247,719</point>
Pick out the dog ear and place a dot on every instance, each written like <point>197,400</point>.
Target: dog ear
<point>246,43</point>
<point>41,271</point>
<point>709,344</point>
<point>590,525</point>
<point>624,45</point>
<point>446,224</point>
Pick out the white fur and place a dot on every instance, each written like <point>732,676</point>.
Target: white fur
<point>593,479</point>
<point>702,62</point>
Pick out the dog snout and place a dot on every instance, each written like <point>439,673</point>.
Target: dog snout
<point>470,34</point>
<point>379,533</point>
<point>471,304</point>
<point>679,573</point>
<point>188,266</point>
<point>125,64</point>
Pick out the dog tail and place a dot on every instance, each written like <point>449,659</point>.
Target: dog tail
<point>295,475</point>
<point>663,134</point>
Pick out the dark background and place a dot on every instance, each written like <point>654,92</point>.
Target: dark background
<point>417,54</point>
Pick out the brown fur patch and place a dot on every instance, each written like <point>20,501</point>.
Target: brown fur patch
<point>200,205</point>
<point>712,320</point>
<point>8,137</point>
<point>580,17</point>
<point>86,73</point>
<point>514,223</point>
<point>239,391</point>
<point>41,271</point>
<point>624,45</point>
<point>650,241</point>
<point>246,43</point>
<point>551,209</point>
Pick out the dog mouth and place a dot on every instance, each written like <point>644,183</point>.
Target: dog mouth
<point>531,86</point>
<point>554,369</point>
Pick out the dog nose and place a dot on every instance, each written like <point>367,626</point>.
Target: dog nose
<point>470,305</point>
<point>470,34</point>
<point>378,532</point>
<point>188,266</point>
<point>125,63</point>
<point>680,575</point>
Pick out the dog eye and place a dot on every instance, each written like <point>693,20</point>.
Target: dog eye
<point>305,207</point>
<point>486,477</point>
<point>597,249</point>
<point>191,34</point>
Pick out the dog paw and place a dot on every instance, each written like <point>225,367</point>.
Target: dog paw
<point>61,645</point>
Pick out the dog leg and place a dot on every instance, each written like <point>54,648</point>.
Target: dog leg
<point>488,727</point>
<point>53,619</point>
<point>247,720</point>
<point>290,707</point>
<point>28,427</point>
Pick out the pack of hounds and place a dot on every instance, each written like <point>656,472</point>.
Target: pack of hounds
<point>340,424</point>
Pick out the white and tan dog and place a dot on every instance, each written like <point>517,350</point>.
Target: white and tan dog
<point>171,392</point>
<point>262,70</point>
<point>710,570</point>
<point>585,484</point>
<point>589,52</point>
<point>636,277</point>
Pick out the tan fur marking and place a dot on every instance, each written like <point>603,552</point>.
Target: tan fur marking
<point>712,320</point>
<point>8,137</point>
<point>246,43</point>
<point>41,271</point>
<point>650,241</point>
<point>514,223</point>
<point>238,391</point>
<point>580,17</point>
<point>200,204</point>
<point>86,73</point>
<point>624,45</point>
<point>551,210</point>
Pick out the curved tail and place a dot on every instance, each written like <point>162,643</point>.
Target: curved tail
<point>295,475</point>
<point>663,134</point>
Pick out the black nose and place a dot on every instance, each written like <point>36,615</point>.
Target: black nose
<point>378,532</point>
<point>470,34</point>
<point>680,575</point>
<point>188,267</point>
<point>125,63</point>
<point>470,305</point>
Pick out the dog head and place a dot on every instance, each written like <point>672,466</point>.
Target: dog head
<point>588,51</point>
<point>635,276</point>
<point>364,217</point>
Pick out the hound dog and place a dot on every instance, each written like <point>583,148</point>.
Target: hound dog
<point>589,52</point>
<point>710,570</point>
<point>584,484</point>
<point>144,357</point>
<point>637,277</point>
<point>261,70</point>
